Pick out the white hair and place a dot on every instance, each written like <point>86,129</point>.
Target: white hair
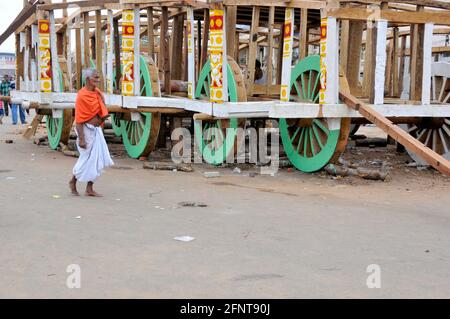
<point>88,73</point>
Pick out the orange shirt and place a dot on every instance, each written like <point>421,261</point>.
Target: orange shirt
<point>88,104</point>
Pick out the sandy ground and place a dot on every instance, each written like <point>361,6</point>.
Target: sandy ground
<point>292,235</point>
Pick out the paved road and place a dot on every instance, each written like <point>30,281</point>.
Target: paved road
<point>289,236</point>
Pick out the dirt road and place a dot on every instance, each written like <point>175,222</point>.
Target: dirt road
<point>293,235</point>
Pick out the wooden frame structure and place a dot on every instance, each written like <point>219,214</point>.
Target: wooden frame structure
<point>364,49</point>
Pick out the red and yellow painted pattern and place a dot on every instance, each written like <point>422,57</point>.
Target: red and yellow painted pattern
<point>128,52</point>
<point>45,56</point>
<point>287,54</point>
<point>216,50</point>
<point>323,55</point>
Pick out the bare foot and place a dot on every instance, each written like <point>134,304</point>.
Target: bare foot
<point>92,193</point>
<point>73,188</point>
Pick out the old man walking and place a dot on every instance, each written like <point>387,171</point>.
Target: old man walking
<point>90,114</point>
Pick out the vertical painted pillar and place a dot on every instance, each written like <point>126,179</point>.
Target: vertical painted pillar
<point>110,53</point>
<point>218,90</point>
<point>380,62</point>
<point>130,52</point>
<point>190,57</point>
<point>329,58</point>
<point>427,58</point>
<point>34,46</point>
<point>68,52</point>
<point>23,47</point>
<point>288,32</point>
<point>45,56</point>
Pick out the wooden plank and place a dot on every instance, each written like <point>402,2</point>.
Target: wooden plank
<point>421,17</point>
<point>303,33</point>
<point>150,33</point>
<point>176,49</point>
<point>99,48</point>
<point>270,53</point>
<point>19,63</point>
<point>205,37</point>
<point>164,47</point>
<point>253,46</point>
<point>388,74</point>
<point>368,75</point>
<point>78,53</point>
<point>86,40</point>
<point>307,4</point>
<point>394,89</point>
<point>401,136</point>
<point>117,54</point>
<point>75,5</point>
<point>232,46</point>
<point>345,43</point>
<point>354,54</point>
<point>401,71</point>
<point>416,74</point>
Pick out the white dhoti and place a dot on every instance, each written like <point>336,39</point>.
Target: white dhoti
<point>94,158</point>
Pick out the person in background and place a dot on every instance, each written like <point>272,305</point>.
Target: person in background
<point>5,87</point>
<point>1,112</point>
<point>90,114</point>
<point>260,76</point>
<point>16,106</point>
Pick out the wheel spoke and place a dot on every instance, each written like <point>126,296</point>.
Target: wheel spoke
<point>315,85</point>
<point>306,141</point>
<point>313,150</point>
<point>297,88</point>
<point>316,133</point>
<point>303,85</point>
<point>322,127</point>
<point>443,140</point>
<point>295,134</point>
<point>300,139</point>
<point>309,85</point>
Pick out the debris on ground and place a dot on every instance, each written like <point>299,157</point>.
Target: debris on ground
<point>56,196</point>
<point>41,141</point>
<point>66,151</point>
<point>371,142</point>
<point>191,204</point>
<point>284,163</point>
<point>211,174</point>
<point>237,170</point>
<point>372,174</point>
<point>184,238</point>
<point>9,141</point>
<point>168,166</point>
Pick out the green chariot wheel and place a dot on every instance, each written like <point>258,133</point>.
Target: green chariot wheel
<point>140,135</point>
<point>217,138</point>
<point>58,129</point>
<point>311,143</point>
